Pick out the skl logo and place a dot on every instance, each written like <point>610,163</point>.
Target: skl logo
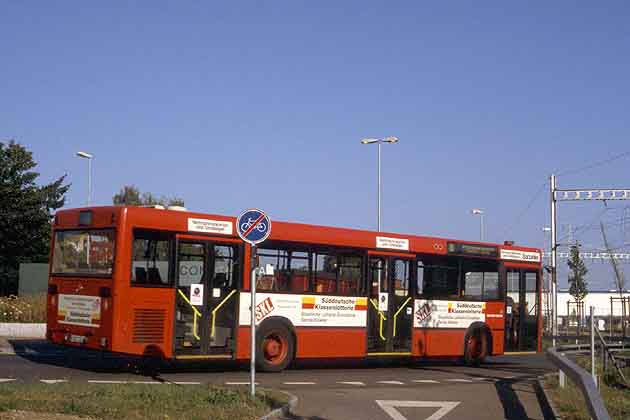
<point>264,308</point>
<point>423,313</point>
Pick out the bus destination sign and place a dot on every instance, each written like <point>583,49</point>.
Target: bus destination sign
<point>473,250</point>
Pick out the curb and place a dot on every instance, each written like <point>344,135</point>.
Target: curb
<point>22,330</point>
<point>284,410</point>
<point>551,409</point>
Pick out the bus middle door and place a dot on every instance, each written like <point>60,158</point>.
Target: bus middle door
<point>390,317</point>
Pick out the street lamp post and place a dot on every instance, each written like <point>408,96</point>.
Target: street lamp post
<point>392,140</point>
<point>89,157</point>
<point>481,227</point>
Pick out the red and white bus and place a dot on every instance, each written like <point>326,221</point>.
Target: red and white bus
<point>176,284</point>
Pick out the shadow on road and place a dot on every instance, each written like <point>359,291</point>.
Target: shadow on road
<point>43,352</point>
<point>294,417</point>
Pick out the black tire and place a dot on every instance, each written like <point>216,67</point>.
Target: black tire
<point>475,347</point>
<point>274,347</point>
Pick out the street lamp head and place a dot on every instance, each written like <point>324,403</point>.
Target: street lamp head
<point>85,155</point>
<point>370,140</point>
<point>476,211</point>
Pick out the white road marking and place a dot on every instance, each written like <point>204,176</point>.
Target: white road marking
<point>147,382</point>
<point>426,381</point>
<point>299,383</point>
<point>240,383</point>
<point>459,380</point>
<point>352,383</point>
<point>53,381</point>
<point>187,383</point>
<point>2,380</point>
<point>390,382</point>
<point>509,377</point>
<point>106,382</point>
<point>485,379</point>
<point>444,407</point>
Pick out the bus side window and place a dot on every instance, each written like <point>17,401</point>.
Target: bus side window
<point>278,258</point>
<point>151,258</point>
<point>481,280</point>
<point>350,270</point>
<point>325,273</point>
<point>420,278</point>
<point>297,274</point>
<point>440,279</point>
<point>225,266</point>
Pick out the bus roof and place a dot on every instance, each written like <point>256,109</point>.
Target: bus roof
<point>224,226</point>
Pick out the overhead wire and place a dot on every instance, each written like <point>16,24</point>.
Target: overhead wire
<point>540,189</point>
<point>594,165</point>
<point>531,202</point>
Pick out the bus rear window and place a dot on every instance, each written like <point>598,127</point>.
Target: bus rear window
<point>84,252</point>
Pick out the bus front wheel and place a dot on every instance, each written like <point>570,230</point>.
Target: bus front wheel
<point>275,347</point>
<point>475,347</point>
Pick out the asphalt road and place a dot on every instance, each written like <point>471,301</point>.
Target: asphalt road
<point>503,388</point>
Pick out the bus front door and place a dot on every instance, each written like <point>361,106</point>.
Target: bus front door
<point>205,323</point>
<point>390,307</point>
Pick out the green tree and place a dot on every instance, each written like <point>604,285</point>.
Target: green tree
<point>25,213</point>
<point>578,287</point>
<point>130,195</point>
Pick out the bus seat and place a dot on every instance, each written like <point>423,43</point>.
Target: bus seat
<point>265,282</point>
<point>282,280</point>
<point>220,281</point>
<point>141,275</point>
<point>299,283</point>
<point>153,275</point>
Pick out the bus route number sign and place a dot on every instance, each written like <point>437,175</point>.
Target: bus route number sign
<point>253,226</point>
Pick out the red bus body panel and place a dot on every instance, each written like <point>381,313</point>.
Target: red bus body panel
<point>127,306</point>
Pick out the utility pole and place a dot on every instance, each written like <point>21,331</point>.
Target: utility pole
<point>554,250</point>
<point>595,194</point>
<point>625,225</point>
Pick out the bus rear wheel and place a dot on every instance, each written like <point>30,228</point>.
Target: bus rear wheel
<point>475,347</point>
<point>275,347</point>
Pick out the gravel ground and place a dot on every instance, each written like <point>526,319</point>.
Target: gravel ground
<point>30,415</point>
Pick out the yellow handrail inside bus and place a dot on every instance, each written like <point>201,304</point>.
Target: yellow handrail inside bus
<point>214,312</point>
<point>380,327</point>
<point>196,313</point>
<point>398,311</point>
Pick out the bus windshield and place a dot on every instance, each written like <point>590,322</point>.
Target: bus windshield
<point>84,252</point>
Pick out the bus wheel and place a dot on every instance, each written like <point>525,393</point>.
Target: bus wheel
<point>475,347</point>
<point>275,347</point>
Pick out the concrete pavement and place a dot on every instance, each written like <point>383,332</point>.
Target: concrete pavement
<point>504,388</point>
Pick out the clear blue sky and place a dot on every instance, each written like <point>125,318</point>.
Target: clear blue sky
<point>237,104</point>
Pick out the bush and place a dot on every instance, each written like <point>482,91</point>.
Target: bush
<point>28,308</point>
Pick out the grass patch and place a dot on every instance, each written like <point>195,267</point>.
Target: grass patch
<point>570,401</point>
<point>138,402</point>
<point>27,308</point>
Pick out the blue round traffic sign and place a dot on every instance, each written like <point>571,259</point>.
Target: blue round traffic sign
<point>253,226</point>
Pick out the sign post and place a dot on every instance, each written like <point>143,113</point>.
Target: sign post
<point>253,226</point>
